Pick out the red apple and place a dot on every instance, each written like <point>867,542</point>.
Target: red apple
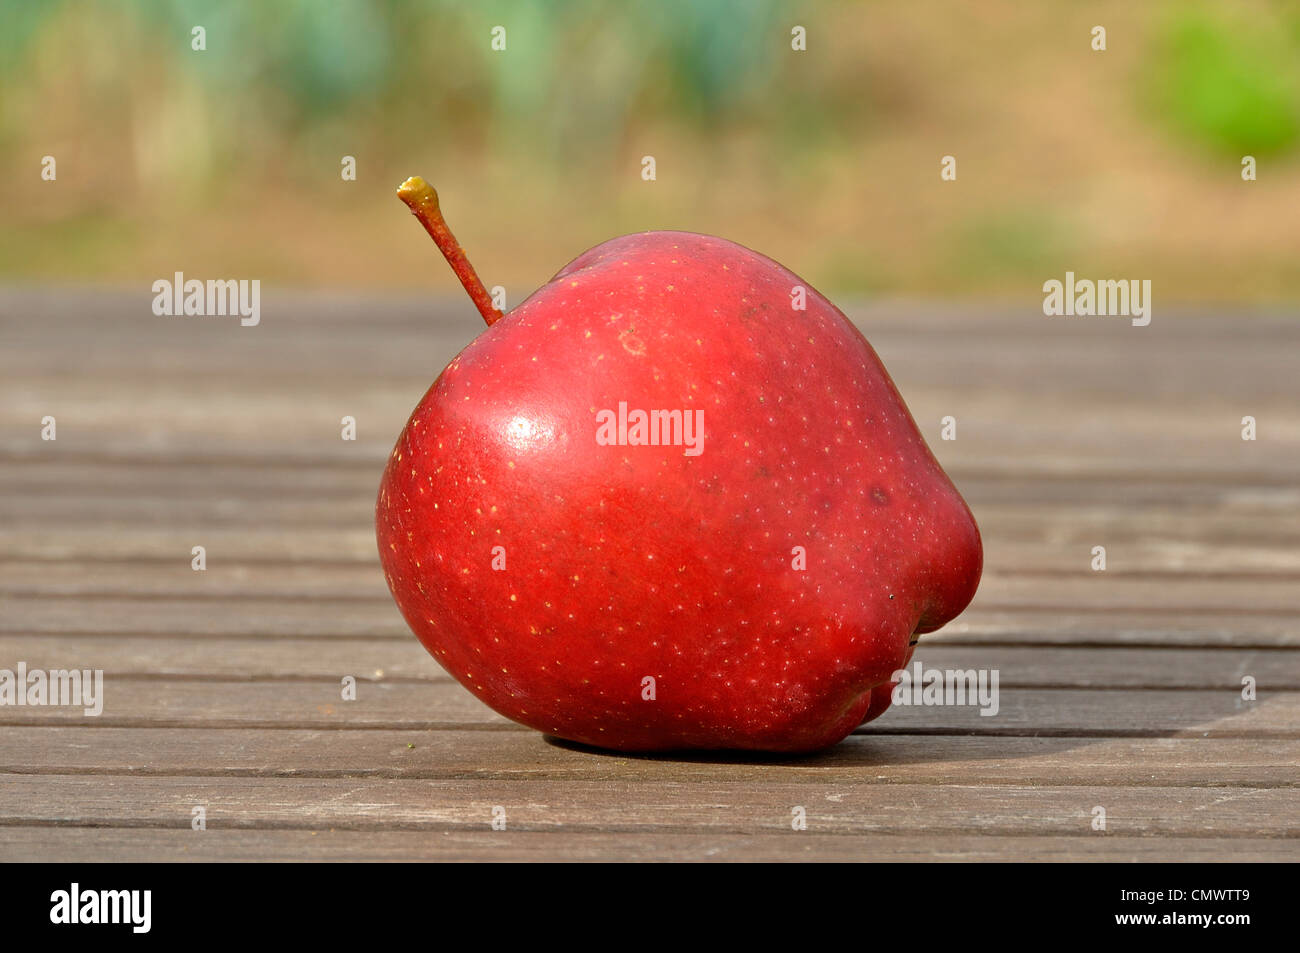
<point>650,596</point>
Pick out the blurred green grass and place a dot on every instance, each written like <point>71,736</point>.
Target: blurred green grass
<point>226,161</point>
<point>1231,83</point>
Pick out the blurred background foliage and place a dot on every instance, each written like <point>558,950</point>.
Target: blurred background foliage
<point>225,162</point>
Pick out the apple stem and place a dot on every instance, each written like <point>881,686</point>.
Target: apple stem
<point>422,200</point>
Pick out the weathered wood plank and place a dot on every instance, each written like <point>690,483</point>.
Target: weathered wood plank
<point>655,808</point>
<point>1103,627</point>
<point>219,508</point>
<point>108,617</point>
<point>103,540</point>
<point>379,659</point>
<point>134,845</point>
<point>465,754</point>
<point>437,704</point>
<point>210,704</point>
<point>177,580</point>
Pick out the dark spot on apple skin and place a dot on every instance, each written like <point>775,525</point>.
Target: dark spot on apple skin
<point>880,496</point>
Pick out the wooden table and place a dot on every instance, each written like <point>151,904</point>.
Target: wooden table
<point>1120,689</point>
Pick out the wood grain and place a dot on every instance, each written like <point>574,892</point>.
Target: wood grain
<point>460,753</point>
<point>711,805</point>
<point>220,845</point>
<point>213,703</point>
<point>404,659</point>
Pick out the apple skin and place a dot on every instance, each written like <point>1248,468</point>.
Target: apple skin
<point>624,563</point>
